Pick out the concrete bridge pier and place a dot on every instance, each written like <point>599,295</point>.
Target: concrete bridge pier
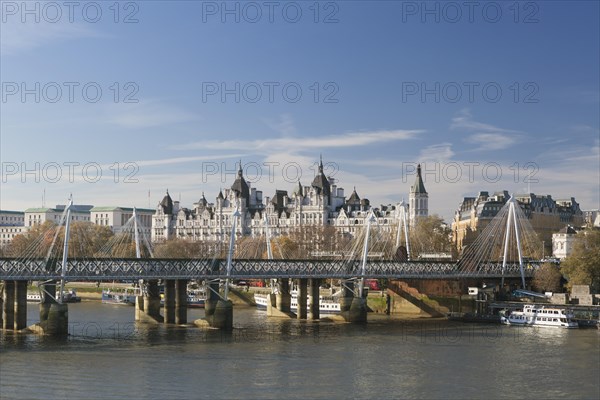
<point>347,295</point>
<point>353,309</point>
<point>169,305</point>
<point>181,301</point>
<point>284,298</point>
<point>54,317</point>
<point>48,298</point>
<point>280,302</point>
<point>313,299</point>
<point>20,305</point>
<point>8,305</point>
<point>301,312</point>
<point>147,306</point>
<point>218,312</point>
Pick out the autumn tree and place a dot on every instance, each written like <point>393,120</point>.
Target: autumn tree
<point>430,235</point>
<point>582,266</point>
<point>547,278</point>
<point>85,240</point>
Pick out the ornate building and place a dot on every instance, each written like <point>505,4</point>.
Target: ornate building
<point>545,215</point>
<point>322,203</point>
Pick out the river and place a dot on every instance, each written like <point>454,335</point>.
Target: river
<point>107,356</point>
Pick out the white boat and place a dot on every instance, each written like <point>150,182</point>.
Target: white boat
<point>34,297</point>
<point>327,304</point>
<point>536,315</point>
<point>196,298</point>
<point>126,297</point>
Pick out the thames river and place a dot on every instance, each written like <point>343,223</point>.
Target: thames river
<point>108,356</point>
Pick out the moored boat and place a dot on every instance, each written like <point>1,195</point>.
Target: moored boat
<point>125,297</point>
<point>327,304</point>
<point>536,315</point>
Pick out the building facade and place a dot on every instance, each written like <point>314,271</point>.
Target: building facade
<point>563,241</point>
<point>12,218</point>
<point>34,216</point>
<point>116,217</point>
<point>546,215</point>
<point>12,223</point>
<point>320,204</point>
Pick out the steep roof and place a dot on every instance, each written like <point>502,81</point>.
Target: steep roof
<point>419,186</point>
<point>167,204</point>
<point>240,186</point>
<point>321,183</point>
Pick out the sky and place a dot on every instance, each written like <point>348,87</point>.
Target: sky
<point>116,102</point>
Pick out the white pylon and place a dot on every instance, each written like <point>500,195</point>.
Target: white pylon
<point>63,272</point>
<point>403,226</point>
<point>234,217</point>
<point>512,218</point>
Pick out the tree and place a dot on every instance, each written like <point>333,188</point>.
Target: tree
<point>430,235</point>
<point>85,240</point>
<point>582,266</point>
<point>547,278</point>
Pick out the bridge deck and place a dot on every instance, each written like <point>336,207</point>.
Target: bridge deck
<point>104,269</point>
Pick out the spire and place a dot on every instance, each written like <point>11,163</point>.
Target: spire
<point>298,191</point>
<point>167,204</point>
<point>321,183</point>
<point>418,187</point>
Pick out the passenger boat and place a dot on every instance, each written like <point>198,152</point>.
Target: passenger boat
<point>125,297</point>
<point>327,304</point>
<point>68,297</point>
<point>196,298</point>
<point>34,297</point>
<point>536,315</point>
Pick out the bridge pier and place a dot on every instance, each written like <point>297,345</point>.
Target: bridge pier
<point>301,312</point>
<point>353,309</point>
<point>218,312</point>
<point>347,295</point>
<point>148,305</point>
<point>279,304</point>
<point>284,298</point>
<point>20,305</point>
<point>181,301</point>
<point>169,304</point>
<point>313,299</point>
<point>54,317</point>
<point>8,306</point>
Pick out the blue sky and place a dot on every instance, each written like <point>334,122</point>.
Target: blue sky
<point>379,84</point>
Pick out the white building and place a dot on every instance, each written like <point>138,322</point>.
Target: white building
<point>35,216</point>
<point>116,217</point>
<point>322,203</point>
<point>562,242</point>
<point>8,233</point>
<point>592,218</point>
<point>12,218</point>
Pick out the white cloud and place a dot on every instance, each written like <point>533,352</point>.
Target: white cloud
<point>437,152</point>
<point>486,136</point>
<point>17,36</point>
<point>491,141</point>
<point>147,114</point>
<point>267,146</point>
<point>284,126</point>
